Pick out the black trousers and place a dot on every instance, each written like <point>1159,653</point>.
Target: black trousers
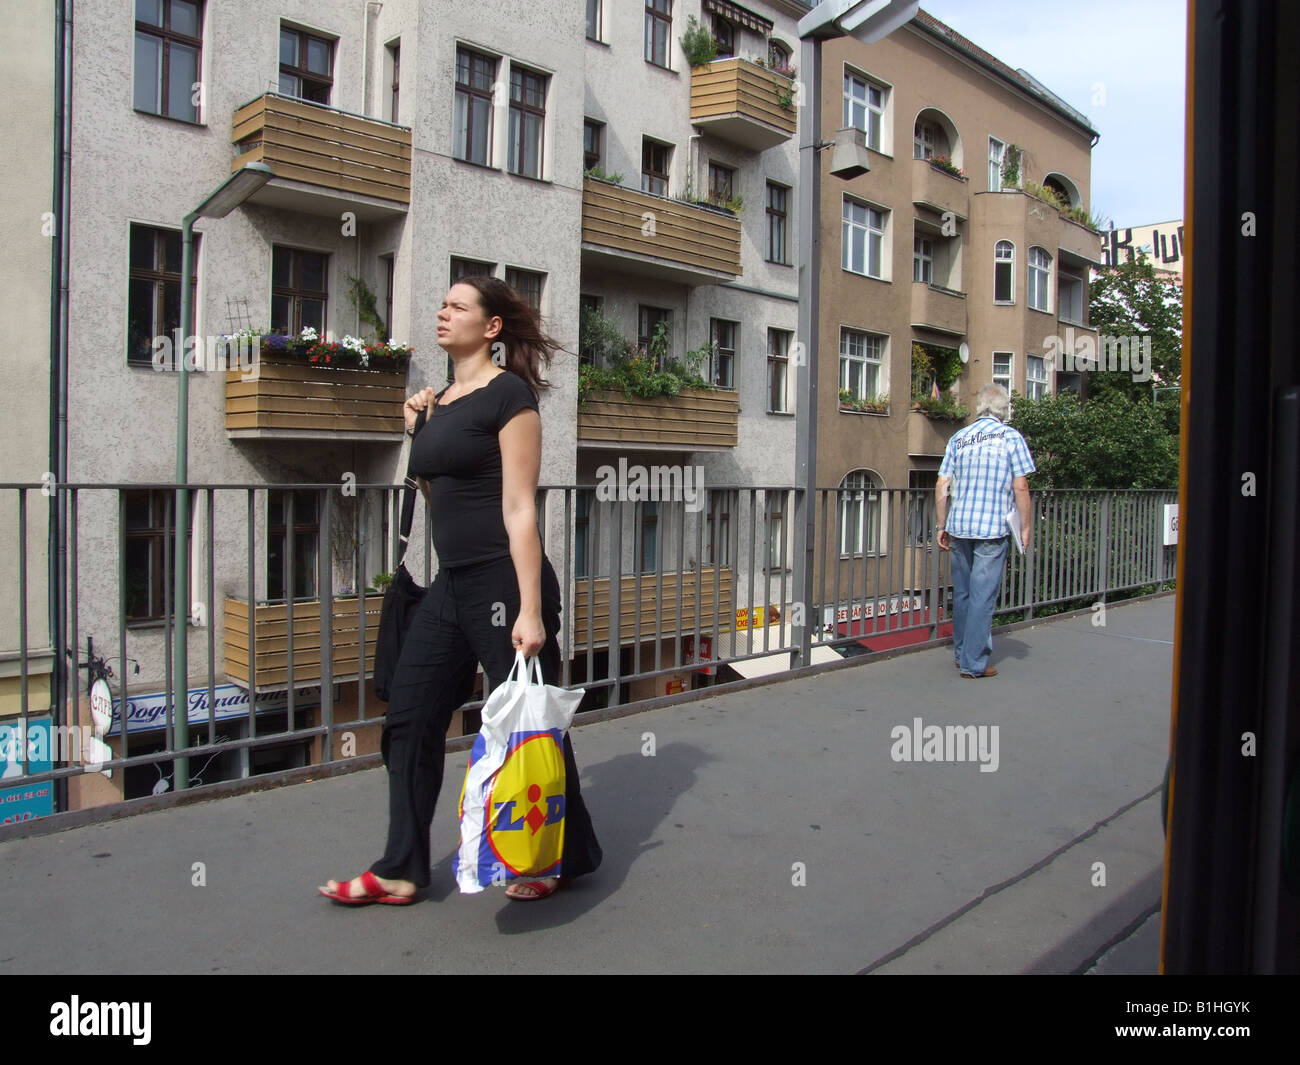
<point>466,618</point>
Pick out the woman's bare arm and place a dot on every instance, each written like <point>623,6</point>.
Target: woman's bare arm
<point>521,463</point>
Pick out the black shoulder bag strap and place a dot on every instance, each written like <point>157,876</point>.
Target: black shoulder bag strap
<point>410,487</point>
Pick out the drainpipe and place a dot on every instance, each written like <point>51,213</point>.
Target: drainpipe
<point>58,433</point>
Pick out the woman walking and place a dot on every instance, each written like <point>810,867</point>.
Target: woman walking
<point>480,452</point>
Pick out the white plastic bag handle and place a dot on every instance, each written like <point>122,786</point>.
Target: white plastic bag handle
<point>527,670</point>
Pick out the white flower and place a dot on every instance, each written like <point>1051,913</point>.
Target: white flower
<point>392,343</point>
<point>309,333</point>
<point>365,359</point>
<point>353,344</point>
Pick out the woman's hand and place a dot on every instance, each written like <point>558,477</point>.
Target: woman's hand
<point>529,635</point>
<point>418,402</point>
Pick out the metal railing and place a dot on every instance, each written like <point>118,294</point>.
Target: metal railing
<point>654,591</point>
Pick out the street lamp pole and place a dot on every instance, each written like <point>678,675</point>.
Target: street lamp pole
<point>229,195</point>
<point>866,21</point>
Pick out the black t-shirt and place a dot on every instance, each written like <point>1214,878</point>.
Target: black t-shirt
<point>457,452</point>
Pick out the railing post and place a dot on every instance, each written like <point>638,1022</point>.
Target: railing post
<point>1031,553</point>
<point>1103,546</point>
<point>326,564</point>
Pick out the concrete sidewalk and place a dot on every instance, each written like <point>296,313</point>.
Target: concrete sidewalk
<point>770,831</point>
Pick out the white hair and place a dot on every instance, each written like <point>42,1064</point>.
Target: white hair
<point>993,399</point>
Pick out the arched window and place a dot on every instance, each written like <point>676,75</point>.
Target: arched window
<point>1040,273</point>
<point>861,513</point>
<point>1004,272</point>
<point>778,56</point>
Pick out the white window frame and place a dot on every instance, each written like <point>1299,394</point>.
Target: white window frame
<point>1037,386</point>
<point>855,507</point>
<point>1010,262</point>
<point>923,140</point>
<point>1039,297</point>
<point>995,164</point>
<point>778,365</point>
<point>862,235</point>
<point>923,259</point>
<point>544,133</point>
<point>1075,281</point>
<point>869,362</point>
<point>596,7</point>
<point>1006,380</point>
<point>864,113</point>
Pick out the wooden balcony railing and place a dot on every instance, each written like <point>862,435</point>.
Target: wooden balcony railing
<point>694,420</point>
<point>591,605</point>
<point>292,398</point>
<point>741,102</point>
<point>268,636</point>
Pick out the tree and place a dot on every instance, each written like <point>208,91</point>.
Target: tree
<point>1131,301</point>
<point>1111,441</point>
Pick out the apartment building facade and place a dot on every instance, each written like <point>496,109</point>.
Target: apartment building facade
<point>411,143</point>
<point>953,262</point>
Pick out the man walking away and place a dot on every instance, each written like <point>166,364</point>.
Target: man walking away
<point>985,468</point>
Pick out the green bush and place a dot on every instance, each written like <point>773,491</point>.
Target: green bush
<point>697,44</point>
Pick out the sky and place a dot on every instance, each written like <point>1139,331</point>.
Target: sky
<point>1123,64</point>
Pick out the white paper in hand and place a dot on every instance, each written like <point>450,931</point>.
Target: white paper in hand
<point>1013,523</point>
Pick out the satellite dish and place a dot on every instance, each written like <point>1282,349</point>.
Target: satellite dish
<point>963,353</point>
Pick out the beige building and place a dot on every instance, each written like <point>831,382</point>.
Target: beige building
<point>959,239</point>
<point>29,236</point>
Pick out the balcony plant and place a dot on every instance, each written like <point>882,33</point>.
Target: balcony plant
<point>1011,167</point>
<point>598,174</point>
<point>697,44</point>
<point>873,404</point>
<point>351,351</point>
<point>933,367</point>
<point>944,408</point>
<point>944,163</point>
<point>618,365</point>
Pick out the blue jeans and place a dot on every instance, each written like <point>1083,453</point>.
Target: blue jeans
<point>976,575</point>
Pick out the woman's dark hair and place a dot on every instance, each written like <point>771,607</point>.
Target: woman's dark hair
<point>528,347</point>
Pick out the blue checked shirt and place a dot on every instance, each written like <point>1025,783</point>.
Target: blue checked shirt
<point>982,460</point>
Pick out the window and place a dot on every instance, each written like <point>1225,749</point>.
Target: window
<point>584,540</point>
<point>923,260</point>
<point>1069,290</point>
<point>168,48</point>
<point>1002,369</point>
<point>649,320</point>
<point>724,37</point>
<point>388,262</point>
<point>775,530</point>
<point>864,238</point>
<point>463,268</point>
<point>587,307</point>
<point>996,148</point>
<point>658,31</point>
<point>306,541</point>
<point>920,510</point>
<point>861,356</point>
<point>591,138</point>
<point>775,250</point>
<point>923,141</point>
<point>1040,273</point>
<point>722,360</point>
<point>778,371</point>
<point>1004,263</point>
<point>299,290</point>
<point>860,514</point>
<point>593,20</point>
<point>154,290</point>
<point>475,74</point>
<point>306,65</point>
<point>1035,376</point>
<point>722,181</point>
<point>778,55</point>
<point>654,167</point>
<point>864,108</point>
<point>149,536</point>
<point>527,120</point>
<point>647,544</point>
<point>717,529</point>
<point>528,284</point>
<point>394,51</point>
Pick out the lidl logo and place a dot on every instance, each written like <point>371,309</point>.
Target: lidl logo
<point>526,822</point>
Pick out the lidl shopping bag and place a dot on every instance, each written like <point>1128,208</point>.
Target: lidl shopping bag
<point>512,802</point>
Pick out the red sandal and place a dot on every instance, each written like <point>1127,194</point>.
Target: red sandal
<point>541,887</point>
<point>374,893</point>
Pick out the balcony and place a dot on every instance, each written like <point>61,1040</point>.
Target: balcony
<point>938,190</point>
<point>653,236</point>
<point>694,420</point>
<point>939,309</point>
<point>270,641</point>
<point>928,436</point>
<point>298,400</point>
<point>739,101</point>
<point>591,605</point>
<point>1079,241</point>
<point>324,160</point>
